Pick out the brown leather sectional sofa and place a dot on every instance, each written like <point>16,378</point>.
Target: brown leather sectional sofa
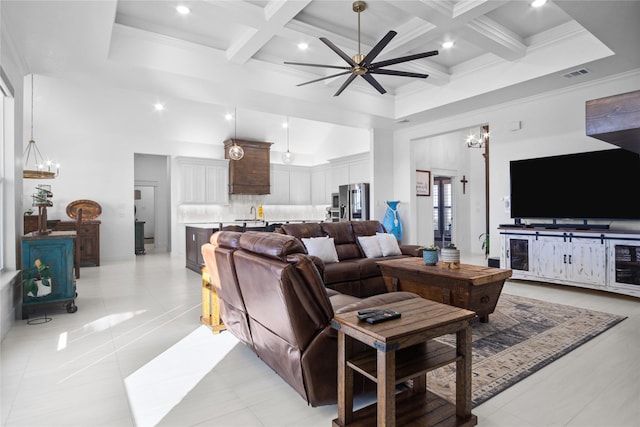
<point>273,299</point>
<point>354,274</point>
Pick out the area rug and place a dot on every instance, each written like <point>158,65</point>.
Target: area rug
<point>523,335</point>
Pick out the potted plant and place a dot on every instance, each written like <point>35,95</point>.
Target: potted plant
<point>484,241</point>
<point>450,255</point>
<point>430,254</point>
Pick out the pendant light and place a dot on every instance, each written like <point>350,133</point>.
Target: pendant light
<point>235,151</point>
<point>287,157</point>
<point>39,169</point>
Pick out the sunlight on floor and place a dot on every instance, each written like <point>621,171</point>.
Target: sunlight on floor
<point>161,384</point>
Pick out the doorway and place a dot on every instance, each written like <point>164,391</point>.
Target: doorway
<point>152,189</point>
<point>442,191</point>
<point>145,211</point>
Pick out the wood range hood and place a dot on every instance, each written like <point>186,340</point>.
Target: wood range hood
<point>252,173</point>
<point>616,120</point>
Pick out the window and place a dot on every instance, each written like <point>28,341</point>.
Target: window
<point>6,138</point>
<point>442,210</point>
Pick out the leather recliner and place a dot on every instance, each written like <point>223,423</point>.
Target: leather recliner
<point>287,309</point>
<point>355,274</point>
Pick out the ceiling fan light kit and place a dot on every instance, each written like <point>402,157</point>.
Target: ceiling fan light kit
<point>363,65</point>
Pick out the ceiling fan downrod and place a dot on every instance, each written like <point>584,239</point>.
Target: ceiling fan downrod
<point>358,6</point>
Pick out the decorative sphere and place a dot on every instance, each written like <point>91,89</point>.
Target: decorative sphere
<point>236,152</point>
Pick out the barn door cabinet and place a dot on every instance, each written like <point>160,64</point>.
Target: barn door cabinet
<point>571,258</point>
<point>607,260</point>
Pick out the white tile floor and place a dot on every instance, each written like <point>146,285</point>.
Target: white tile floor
<point>135,354</point>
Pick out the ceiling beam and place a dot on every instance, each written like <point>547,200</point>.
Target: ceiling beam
<point>276,15</point>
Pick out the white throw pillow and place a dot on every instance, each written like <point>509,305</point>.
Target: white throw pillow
<point>388,244</point>
<point>322,247</point>
<point>370,246</point>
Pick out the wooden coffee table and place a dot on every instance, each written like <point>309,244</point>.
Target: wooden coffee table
<point>473,287</point>
<point>398,354</point>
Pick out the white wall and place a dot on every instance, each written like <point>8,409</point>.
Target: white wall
<point>551,123</point>
<point>95,131</point>
<point>448,155</point>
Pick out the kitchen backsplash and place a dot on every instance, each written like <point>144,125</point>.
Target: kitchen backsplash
<point>240,208</point>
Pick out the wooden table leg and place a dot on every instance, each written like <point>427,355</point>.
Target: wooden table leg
<point>463,373</point>
<point>345,381</point>
<point>386,374</point>
<point>420,383</point>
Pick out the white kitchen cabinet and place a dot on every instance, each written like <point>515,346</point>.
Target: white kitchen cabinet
<point>279,186</point>
<point>358,172</point>
<point>217,184</point>
<point>339,176</point>
<point>203,181</point>
<point>290,185</point>
<point>319,187</point>
<point>299,187</point>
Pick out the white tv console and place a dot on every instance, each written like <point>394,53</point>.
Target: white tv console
<point>607,260</point>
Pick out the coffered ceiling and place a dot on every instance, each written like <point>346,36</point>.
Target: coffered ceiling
<point>233,52</point>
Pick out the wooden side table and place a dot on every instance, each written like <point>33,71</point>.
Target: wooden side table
<point>210,305</point>
<point>398,356</point>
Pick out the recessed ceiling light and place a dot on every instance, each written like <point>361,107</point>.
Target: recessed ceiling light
<point>285,125</point>
<point>303,46</point>
<point>183,10</point>
<point>228,117</point>
<point>447,45</point>
<point>158,106</point>
<point>538,3</point>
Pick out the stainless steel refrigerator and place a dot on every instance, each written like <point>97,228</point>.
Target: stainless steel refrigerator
<point>354,202</point>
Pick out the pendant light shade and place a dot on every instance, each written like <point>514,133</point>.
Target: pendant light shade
<point>235,151</point>
<point>287,157</point>
<point>35,166</point>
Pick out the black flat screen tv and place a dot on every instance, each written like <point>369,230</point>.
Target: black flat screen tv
<point>591,185</point>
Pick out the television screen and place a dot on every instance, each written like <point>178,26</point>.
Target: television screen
<point>593,185</point>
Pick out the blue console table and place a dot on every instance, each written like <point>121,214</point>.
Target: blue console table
<point>54,253</point>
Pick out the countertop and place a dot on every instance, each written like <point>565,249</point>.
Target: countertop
<point>249,223</point>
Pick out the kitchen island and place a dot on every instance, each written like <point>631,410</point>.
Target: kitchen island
<point>197,234</point>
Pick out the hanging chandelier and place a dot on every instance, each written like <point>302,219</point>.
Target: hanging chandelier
<point>287,157</point>
<point>474,141</point>
<point>235,151</point>
<point>35,167</point>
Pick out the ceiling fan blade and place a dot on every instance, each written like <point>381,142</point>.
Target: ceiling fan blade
<point>398,73</point>
<point>345,84</point>
<point>324,78</point>
<point>339,67</point>
<point>373,82</point>
<point>378,48</point>
<point>337,50</point>
<point>403,59</point>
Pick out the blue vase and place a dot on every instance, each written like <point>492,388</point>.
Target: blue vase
<point>391,220</point>
<point>430,257</point>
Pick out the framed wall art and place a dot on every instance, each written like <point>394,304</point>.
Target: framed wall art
<point>423,183</point>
